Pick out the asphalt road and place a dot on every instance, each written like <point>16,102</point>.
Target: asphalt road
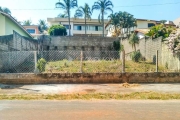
<point>90,110</point>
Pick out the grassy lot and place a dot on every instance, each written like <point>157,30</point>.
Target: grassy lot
<point>103,66</point>
<point>98,96</point>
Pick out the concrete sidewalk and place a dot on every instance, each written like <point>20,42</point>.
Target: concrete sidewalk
<point>87,88</point>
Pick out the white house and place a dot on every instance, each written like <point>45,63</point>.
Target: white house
<point>77,26</point>
<point>142,25</point>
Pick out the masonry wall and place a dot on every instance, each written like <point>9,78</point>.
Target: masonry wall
<point>169,59</point>
<point>75,78</point>
<point>147,47</point>
<point>76,43</point>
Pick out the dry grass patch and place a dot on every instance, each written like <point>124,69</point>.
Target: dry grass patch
<point>100,96</point>
<point>115,66</point>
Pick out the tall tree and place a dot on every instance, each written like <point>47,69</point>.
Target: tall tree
<point>27,22</point>
<point>84,11</point>
<point>64,15</point>
<point>163,21</point>
<point>133,40</point>
<point>115,24</point>
<point>5,10</point>
<point>42,26</point>
<point>103,6</point>
<point>67,5</point>
<point>128,21</point>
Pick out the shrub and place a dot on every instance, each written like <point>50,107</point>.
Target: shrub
<point>136,56</point>
<point>116,45</point>
<point>57,30</point>
<point>41,64</point>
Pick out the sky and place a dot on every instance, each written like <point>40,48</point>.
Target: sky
<point>142,9</point>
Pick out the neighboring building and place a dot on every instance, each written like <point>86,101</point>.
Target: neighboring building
<point>141,24</point>
<point>8,24</point>
<point>177,22</point>
<point>94,28</point>
<point>141,32</point>
<point>33,30</point>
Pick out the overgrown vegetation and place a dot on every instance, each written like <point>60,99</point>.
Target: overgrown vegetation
<point>102,66</point>
<point>136,56</point>
<point>57,30</point>
<point>160,30</point>
<point>41,65</point>
<point>100,96</point>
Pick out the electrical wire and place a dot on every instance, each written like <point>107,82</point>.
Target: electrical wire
<point>114,7</point>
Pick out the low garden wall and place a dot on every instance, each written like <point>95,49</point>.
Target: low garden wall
<point>82,78</point>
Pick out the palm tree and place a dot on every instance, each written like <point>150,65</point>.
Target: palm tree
<point>42,26</point>
<point>64,15</point>
<point>27,22</point>
<point>5,10</point>
<point>115,24</point>
<point>103,6</point>
<point>67,5</point>
<point>163,21</point>
<point>133,40</point>
<point>84,11</point>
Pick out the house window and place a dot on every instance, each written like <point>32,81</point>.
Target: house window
<point>151,25</point>
<point>55,48</point>
<point>77,27</point>
<point>67,26</point>
<point>96,28</point>
<point>31,31</point>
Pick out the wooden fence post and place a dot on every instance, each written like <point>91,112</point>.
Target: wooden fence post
<point>81,69</point>
<point>123,61</point>
<point>157,61</point>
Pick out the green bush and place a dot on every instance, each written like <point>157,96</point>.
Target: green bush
<point>136,56</point>
<point>57,30</point>
<point>41,64</point>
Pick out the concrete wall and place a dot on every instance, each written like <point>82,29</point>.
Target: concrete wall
<point>147,48</point>
<point>170,60</point>
<point>99,43</point>
<point>76,78</point>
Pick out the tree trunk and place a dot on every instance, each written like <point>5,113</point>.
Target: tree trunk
<point>103,22</point>
<point>135,47</point>
<point>69,22</point>
<point>85,25</point>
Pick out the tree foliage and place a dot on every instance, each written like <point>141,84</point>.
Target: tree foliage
<point>160,30</point>
<point>67,5</point>
<point>133,40</point>
<point>5,10</point>
<point>103,6</point>
<point>42,26</point>
<point>84,12</point>
<point>121,21</point>
<point>57,30</point>
<point>27,22</point>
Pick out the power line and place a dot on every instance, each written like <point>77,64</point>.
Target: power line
<point>149,5</point>
<point>114,7</point>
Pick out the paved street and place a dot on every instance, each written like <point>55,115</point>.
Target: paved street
<point>89,110</point>
<point>87,88</point>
